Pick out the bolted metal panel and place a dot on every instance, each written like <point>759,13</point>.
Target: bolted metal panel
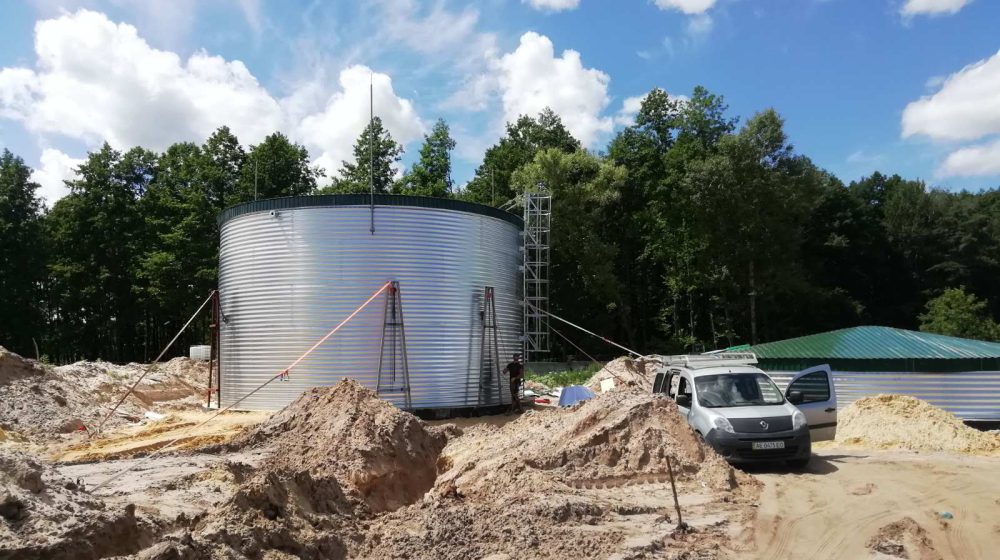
<point>289,276</point>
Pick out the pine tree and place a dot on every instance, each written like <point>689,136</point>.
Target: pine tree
<point>431,176</point>
<point>375,144</point>
<point>22,264</point>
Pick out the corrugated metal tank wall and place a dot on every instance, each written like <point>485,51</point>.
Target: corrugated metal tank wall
<point>286,278</point>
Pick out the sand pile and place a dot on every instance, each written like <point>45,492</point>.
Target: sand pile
<point>523,487</point>
<point>13,367</point>
<point>605,440</point>
<point>38,401</point>
<point>336,455</point>
<point>900,421</point>
<point>350,476</point>
<point>628,374</point>
<point>384,457</point>
<point>46,516</point>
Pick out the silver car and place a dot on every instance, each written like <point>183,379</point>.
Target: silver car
<point>738,410</point>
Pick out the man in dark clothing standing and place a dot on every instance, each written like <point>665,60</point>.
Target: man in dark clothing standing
<point>516,370</point>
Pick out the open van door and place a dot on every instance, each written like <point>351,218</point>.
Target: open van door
<point>818,402</point>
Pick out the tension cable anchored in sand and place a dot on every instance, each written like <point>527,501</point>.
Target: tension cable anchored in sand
<point>283,374</point>
<point>150,367</point>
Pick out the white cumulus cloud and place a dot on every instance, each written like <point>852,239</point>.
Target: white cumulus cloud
<point>334,129</point>
<point>982,160</point>
<point>553,5</point>
<point>689,7</point>
<point>96,80</point>
<point>630,108</point>
<point>965,108</point>
<point>532,78</point>
<point>932,7</point>
<point>56,168</point>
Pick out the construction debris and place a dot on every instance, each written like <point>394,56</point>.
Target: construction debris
<point>904,422</point>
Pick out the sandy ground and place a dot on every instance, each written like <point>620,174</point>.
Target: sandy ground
<point>847,496</point>
<point>164,486</point>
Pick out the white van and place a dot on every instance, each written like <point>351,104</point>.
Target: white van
<point>738,410</point>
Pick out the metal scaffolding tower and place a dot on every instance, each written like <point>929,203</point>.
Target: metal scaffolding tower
<point>537,226</point>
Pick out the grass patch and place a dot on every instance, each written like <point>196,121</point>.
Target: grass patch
<point>564,378</point>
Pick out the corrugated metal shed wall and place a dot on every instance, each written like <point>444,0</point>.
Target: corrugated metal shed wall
<point>970,395</point>
<point>956,374</point>
<point>286,280</point>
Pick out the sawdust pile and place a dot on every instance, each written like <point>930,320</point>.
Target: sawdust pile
<point>46,401</point>
<point>900,421</point>
<point>179,430</point>
<point>46,516</point>
<point>628,374</point>
<point>904,539</point>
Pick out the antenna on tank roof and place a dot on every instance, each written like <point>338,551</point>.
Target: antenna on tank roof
<point>371,146</point>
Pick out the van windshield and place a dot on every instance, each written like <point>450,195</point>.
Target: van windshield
<point>736,389</point>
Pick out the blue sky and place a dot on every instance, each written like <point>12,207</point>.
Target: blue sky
<point>902,86</point>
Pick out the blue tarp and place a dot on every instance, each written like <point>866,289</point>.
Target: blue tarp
<point>574,394</point>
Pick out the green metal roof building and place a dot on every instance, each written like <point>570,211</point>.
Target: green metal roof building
<point>957,374</point>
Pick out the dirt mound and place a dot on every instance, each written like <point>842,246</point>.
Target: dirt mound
<point>628,374</point>
<point>530,484</point>
<point>335,455</point>
<point>384,457</point>
<point>609,439</point>
<point>528,527</point>
<point>904,539</point>
<point>13,366</point>
<point>347,475</point>
<point>44,515</point>
<point>900,421</point>
<point>45,402</point>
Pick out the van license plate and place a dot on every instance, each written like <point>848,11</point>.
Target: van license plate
<point>768,445</point>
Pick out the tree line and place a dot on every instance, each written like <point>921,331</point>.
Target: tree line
<point>689,231</point>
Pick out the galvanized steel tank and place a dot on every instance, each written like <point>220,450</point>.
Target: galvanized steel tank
<point>292,268</point>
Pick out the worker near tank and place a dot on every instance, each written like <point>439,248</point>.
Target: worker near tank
<point>516,371</point>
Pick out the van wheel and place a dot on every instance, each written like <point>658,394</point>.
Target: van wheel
<point>798,464</point>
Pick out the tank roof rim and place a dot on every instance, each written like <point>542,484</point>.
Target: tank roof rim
<point>330,200</point>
